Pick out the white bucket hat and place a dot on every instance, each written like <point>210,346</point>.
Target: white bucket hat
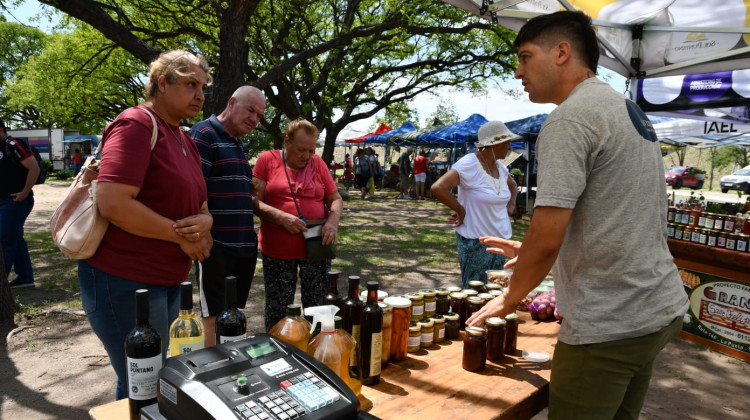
<point>494,132</point>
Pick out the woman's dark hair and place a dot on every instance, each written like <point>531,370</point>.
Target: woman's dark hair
<point>548,30</point>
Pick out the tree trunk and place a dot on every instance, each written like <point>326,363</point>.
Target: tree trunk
<point>7,305</point>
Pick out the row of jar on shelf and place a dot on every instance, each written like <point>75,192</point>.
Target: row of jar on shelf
<point>694,216</point>
<point>710,237</point>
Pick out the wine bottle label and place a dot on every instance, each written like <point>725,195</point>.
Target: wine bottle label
<point>184,345</point>
<point>143,377</point>
<point>224,339</point>
<point>375,353</point>
<point>355,335</point>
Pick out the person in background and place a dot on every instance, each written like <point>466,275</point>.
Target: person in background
<point>617,287</point>
<point>374,168</point>
<point>230,200</point>
<point>348,164</point>
<point>155,201</point>
<point>486,199</point>
<point>77,161</point>
<point>67,160</point>
<point>284,217</point>
<point>404,173</point>
<point>362,172</point>
<point>420,174</point>
<point>18,173</point>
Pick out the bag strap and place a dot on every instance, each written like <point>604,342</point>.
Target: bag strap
<point>154,131</point>
<point>289,181</point>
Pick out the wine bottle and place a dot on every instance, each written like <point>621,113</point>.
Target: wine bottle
<point>231,324</point>
<point>143,352</point>
<point>371,336</point>
<point>186,332</point>
<point>351,313</point>
<point>333,297</point>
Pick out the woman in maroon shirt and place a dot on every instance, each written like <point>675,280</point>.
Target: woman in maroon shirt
<point>155,201</point>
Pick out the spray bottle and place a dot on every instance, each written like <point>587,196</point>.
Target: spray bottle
<point>324,346</point>
<point>346,343</point>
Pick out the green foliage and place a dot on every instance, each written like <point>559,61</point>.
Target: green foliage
<point>17,44</point>
<point>516,171</point>
<point>63,174</point>
<point>445,112</point>
<point>729,156</point>
<point>78,81</point>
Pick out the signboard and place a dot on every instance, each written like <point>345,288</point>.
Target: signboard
<point>719,313</point>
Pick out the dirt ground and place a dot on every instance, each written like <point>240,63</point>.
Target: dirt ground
<point>53,367</point>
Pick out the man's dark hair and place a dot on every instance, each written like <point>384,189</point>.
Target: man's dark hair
<point>548,30</point>
<point>2,125</point>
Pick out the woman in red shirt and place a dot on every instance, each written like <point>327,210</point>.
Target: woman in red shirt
<point>281,225</point>
<point>420,173</point>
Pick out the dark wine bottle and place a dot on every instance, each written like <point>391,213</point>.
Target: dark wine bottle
<point>351,312</point>
<point>333,297</point>
<point>371,336</point>
<point>231,324</point>
<point>143,351</point>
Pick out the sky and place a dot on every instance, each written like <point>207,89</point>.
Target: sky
<point>495,105</point>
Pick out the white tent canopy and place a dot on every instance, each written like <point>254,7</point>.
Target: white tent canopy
<point>703,134</point>
<point>646,38</point>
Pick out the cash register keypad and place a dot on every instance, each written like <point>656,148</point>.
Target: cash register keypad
<point>297,396</point>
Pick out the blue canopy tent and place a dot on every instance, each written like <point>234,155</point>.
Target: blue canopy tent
<point>383,138</point>
<point>452,135</point>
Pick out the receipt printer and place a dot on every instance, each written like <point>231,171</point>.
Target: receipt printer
<point>257,378</point>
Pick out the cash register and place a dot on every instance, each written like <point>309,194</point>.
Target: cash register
<point>257,378</point>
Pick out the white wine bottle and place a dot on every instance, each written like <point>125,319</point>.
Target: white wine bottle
<point>143,351</point>
<point>231,324</point>
<point>186,332</point>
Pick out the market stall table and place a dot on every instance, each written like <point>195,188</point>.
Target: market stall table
<point>431,383</point>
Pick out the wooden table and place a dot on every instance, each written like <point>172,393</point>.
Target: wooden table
<point>431,384</point>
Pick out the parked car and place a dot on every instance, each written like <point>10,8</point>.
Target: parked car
<point>739,180</point>
<point>684,176</point>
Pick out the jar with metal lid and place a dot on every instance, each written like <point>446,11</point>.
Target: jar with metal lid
<point>678,216</point>
<point>442,301</point>
<point>427,329</point>
<point>469,292</point>
<point>477,285</point>
<point>473,304</point>
<point>702,220</point>
<point>415,337</point>
<point>670,230</point>
<point>438,328</point>
<point>712,235</point>
<point>670,214</point>
<point>452,325</point>
<point>486,296</point>
<point>703,236</point>
<point>709,222</point>
<point>475,349</point>
<point>400,319</point>
<point>458,307</point>
<point>385,352</point>
<point>678,229</point>
<point>729,223</point>
<point>496,330</point>
<point>742,242</point>
<point>696,238</point>
<point>721,241</point>
<point>496,293</point>
<point>687,234</point>
<point>731,241</point>
<point>511,335</point>
<point>739,223</point>
<point>719,222</point>
<point>429,302</point>
<point>493,286</point>
<point>417,305</point>
<point>693,217</point>
<point>453,289</point>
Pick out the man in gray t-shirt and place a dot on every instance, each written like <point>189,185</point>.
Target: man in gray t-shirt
<point>600,218</point>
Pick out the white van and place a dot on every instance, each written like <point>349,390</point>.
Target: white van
<point>739,180</point>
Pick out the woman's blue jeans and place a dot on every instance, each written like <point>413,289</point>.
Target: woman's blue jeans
<point>109,304</point>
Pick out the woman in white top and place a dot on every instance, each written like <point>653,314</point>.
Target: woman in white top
<point>486,199</point>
